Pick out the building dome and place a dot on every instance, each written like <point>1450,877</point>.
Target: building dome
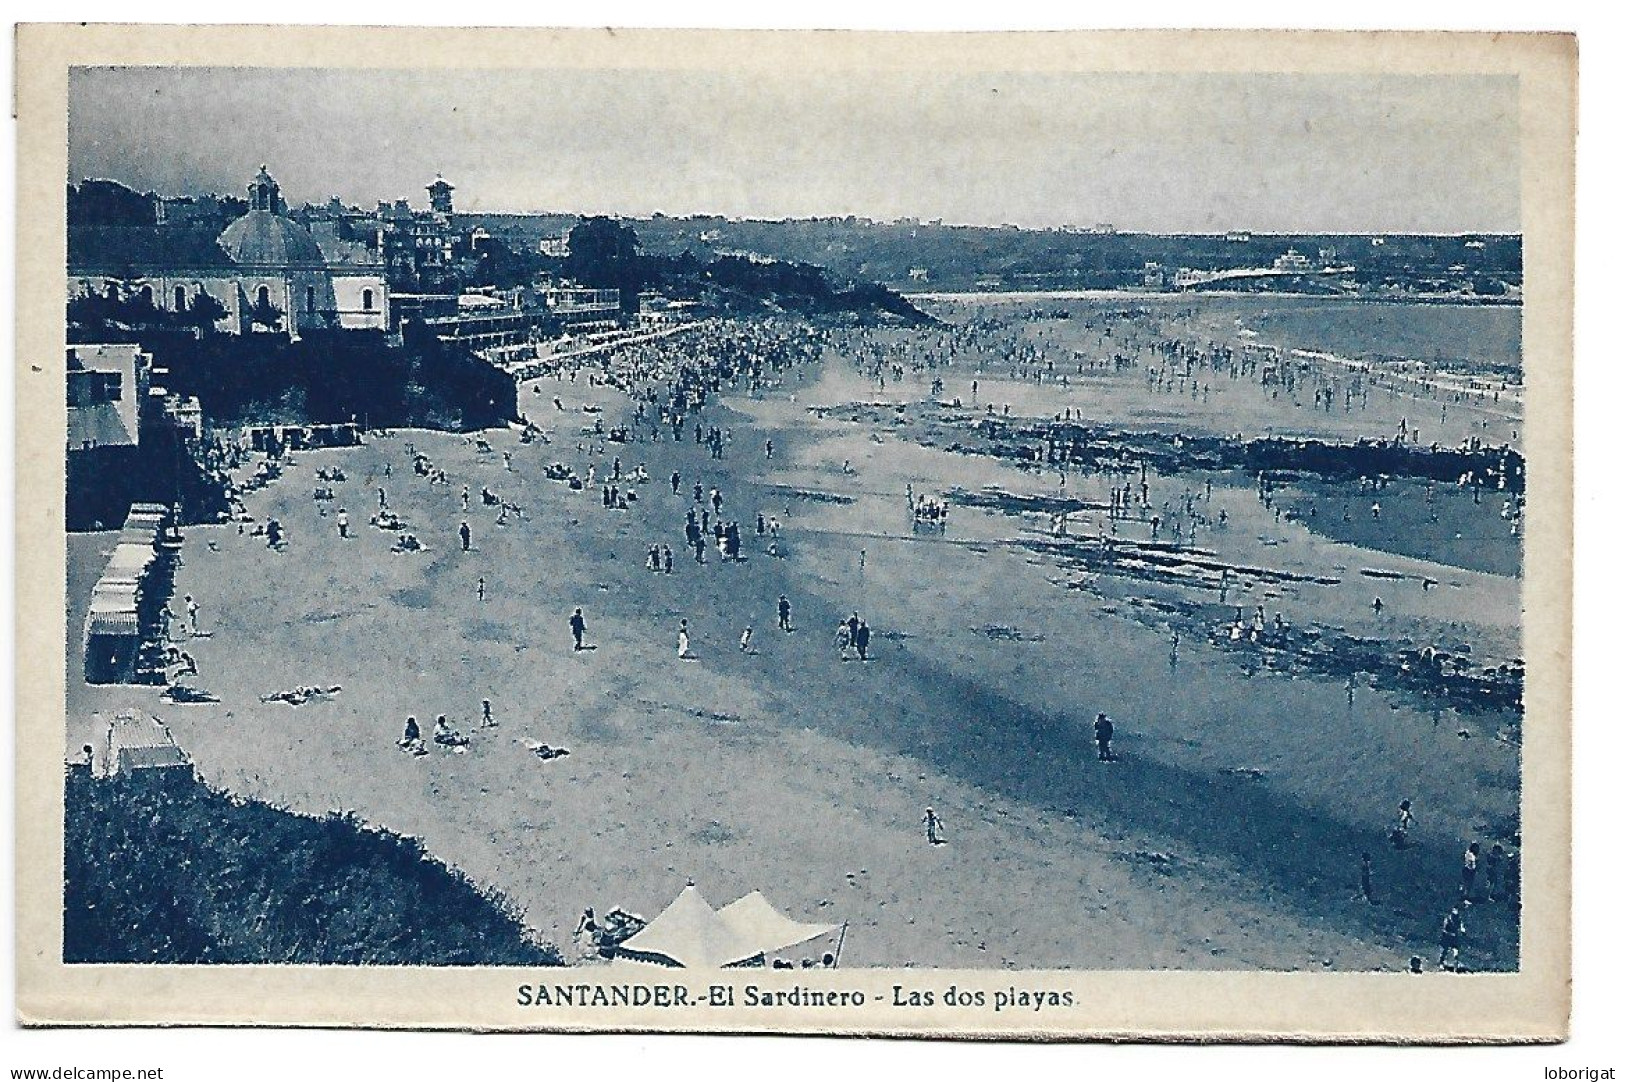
<point>261,238</point>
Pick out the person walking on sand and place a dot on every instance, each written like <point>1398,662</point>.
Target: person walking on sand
<point>744,640</point>
<point>665,558</point>
<point>933,827</point>
<point>1450,934</point>
<point>479,589</point>
<point>682,641</point>
<point>344,523</point>
<point>578,628</point>
<point>1103,738</point>
<point>860,639</point>
<point>191,615</point>
<point>465,535</point>
<point>1376,606</point>
<point>486,720</point>
<point>676,483</point>
<point>784,613</point>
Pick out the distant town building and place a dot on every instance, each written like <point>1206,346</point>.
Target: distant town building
<point>1154,276</point>
<point>1103,228</point>
<point>1293,263</point>
<point>555,247</point>
<point>268,272</point>
<point>1238,236</point>
<point>440,195</point>
<point>919,274</point>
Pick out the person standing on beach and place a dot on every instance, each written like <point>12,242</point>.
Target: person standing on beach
<point>464,534</point>
<point>676,483</point>
<point>1469,871</point>
<point>682,640</point>
<point>1402,829</point>
<point>860,639</point>
<point>1494,872</point>
<point>744,640</point>
<point>344,523</point>
<point>578,628</point>
<point>933,827</point>
<point>191,615</point>
<point>665,558</point>
<point>1103,738</point>
<point>784,613</point>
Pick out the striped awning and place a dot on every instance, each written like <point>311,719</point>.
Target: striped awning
<point>122,624</point>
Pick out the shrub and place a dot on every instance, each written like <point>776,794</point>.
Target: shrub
<point>168,870</point>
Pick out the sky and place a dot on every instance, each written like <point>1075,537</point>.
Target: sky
<point>1148,153</point>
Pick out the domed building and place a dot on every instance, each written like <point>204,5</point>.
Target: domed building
<point>268,272</point>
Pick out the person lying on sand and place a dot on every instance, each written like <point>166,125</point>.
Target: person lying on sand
<point>544,752</point>
<point>301,695</point>
<point>181,693</point>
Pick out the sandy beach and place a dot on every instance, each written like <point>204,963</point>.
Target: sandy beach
<point>1227,835</point>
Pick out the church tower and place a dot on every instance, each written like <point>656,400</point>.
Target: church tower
<point>263,194</point>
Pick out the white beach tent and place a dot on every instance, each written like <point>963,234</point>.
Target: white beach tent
<point>690,933</point>
<point>754,920</point>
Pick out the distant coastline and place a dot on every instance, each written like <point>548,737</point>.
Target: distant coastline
<point>1144,294</point>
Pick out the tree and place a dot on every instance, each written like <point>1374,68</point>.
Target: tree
<point>203,312</point>
<point>604,255</point>
<point>262,313</point>
<point>107,202</point>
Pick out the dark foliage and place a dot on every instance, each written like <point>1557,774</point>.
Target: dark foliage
<point>167,870</point>
<point>107,202</point>
<point>97,315</point>
<point>741,286</point>
<point>604,255</point>
<point>329,377</point>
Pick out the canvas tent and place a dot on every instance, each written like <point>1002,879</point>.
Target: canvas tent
<point>753,919</point>
<point>690,933</point>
